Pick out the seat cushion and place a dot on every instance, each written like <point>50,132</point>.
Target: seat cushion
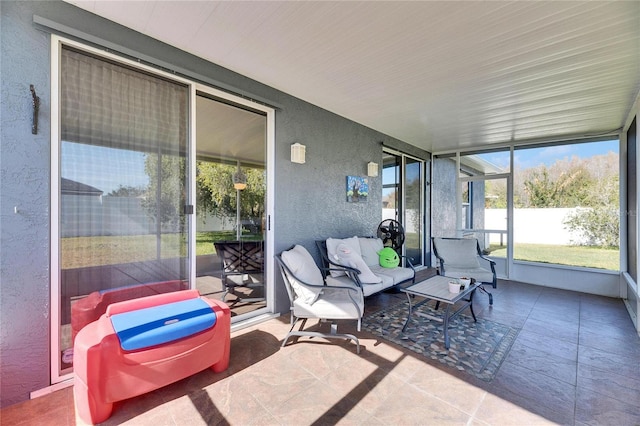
<point>304,268</point>
<point>331,304</point>
<point>332,246</point>
<point>367,289</point>
<point>480,274</point>
<point>393,275</point>
<point>348,257</point>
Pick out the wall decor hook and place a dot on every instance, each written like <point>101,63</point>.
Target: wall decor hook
<point>36,107</point>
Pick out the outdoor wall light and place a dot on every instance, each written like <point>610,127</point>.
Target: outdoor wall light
<point>239,179</point>
<point>372,169</point>
<point>297,153</point>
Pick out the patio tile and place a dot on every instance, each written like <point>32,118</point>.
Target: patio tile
<point>544,363</point>
<point>495,410</point>
<point>564,330</point>
<point>547,344</point>
<point>548,394</point>
<point>607,383</point>
<point>548,378</point>
<point>607,361</point>
<point>418,408</point>
<point>453,390</point>
<point>593,408</point>
<point>629,346</point>
<point>321,404</point>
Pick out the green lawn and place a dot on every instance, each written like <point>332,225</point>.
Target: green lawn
<point>591,257</point>
<point>205,240</point>
<point>81,252</point>
<point>93,251</point>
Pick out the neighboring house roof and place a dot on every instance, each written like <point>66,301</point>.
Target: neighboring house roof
<point>71,187</point>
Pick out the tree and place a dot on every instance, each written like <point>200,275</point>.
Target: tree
<point>165,195</point>
<point>127,191</point>
<point>216,194</point>
<point>569,188</point>
<point>599,226</point>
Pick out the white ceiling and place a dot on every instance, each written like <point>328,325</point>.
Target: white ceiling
<point>440,75</point>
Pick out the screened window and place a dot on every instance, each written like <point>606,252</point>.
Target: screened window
<point>566,204</point>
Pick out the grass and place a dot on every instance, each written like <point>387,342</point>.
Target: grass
<point>82,252</point>
<point>583,256</point>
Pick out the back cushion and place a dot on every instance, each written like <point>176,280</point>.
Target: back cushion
<point>457,253</point>
<point>332,246</point>
<point>303,267</point>
<point>370,248</point>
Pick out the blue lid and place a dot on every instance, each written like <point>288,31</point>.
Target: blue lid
<point>156,325</point>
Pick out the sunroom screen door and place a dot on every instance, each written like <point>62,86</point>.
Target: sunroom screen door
<point>123,188</point>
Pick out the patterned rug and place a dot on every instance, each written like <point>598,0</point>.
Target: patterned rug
<point>477,348</point>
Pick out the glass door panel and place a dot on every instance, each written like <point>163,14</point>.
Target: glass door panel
<point>413,212</point>
<point>231,173</point>
<point>123,231</point>
<point>391,195</point>
<point>403,200</point>
<point>484,181</point>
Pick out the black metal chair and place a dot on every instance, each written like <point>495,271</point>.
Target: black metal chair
<point>312,297</point>
<point>242,265</point>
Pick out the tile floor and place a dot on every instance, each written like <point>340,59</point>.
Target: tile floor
<point>576,361</point>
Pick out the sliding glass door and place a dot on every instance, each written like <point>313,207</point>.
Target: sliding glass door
<point>231,215</point>
<point>154,177</point>
<point>123,190</point>
<point>403,189</point>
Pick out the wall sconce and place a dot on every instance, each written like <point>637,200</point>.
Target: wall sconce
<point>297,153</point>
<point>239,179</point>
<point>372,169</point>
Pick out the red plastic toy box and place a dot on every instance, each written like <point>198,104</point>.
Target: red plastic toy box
<point>143,344</point>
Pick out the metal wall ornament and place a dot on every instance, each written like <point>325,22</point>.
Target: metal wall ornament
<point>36,108</point>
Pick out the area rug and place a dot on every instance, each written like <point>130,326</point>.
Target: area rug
<point>477,348</point>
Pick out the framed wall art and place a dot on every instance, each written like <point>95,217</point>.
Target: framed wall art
<point>357,189</point>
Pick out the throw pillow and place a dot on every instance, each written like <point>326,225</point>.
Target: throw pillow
<point>388,258</point>
<point>332,245</point>
<point>349,257</point>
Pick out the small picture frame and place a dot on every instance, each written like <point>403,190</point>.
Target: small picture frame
<point>357,189</point>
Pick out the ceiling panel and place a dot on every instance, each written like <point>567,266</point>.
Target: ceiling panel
<point>440,75</point>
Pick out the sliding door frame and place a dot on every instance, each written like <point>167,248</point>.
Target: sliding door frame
<point>57,376</point>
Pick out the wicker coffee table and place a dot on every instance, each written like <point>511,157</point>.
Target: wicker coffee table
<point>437,288</point>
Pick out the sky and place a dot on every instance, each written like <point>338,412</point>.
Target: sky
<point>101,167</point>
<point>108,168</point>
<point>526,158</point>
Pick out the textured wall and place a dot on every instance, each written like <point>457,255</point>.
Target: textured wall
<point>443,187</point>
<point>24,183</point>
<point>310,200</point>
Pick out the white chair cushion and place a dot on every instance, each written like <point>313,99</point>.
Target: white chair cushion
<point>348,257</point>
<point>480,274</point>
<point>369,248</point>
<point>331,304</point>
<point>302,265</point>
<point>396,275</point>
<point>332,245</point>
